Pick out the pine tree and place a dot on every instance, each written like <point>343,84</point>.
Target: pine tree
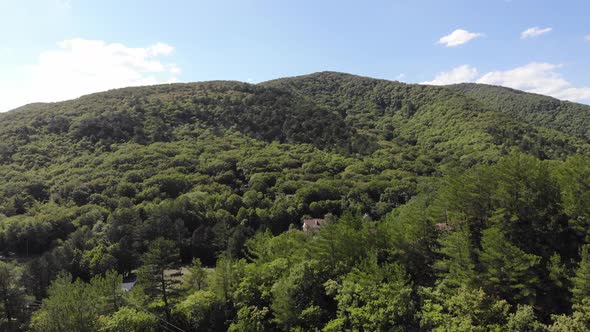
<point>581,280</point>
<point>507,270</point>
<point>163,255</point>
<point>198,275</point>
<point>458,266</point>
<point>70,306</point>
<point>12,296</point>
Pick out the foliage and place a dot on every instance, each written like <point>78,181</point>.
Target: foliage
<point>128,320</point>
<point>77,306</point>
<point>155,276</point>
<point>507,269</point>
<point>581,280</point>
<point>375,299</point>
<point>462,309</point>
<point>13,297</point>
<point>524,319</point>
<point>447,208</point>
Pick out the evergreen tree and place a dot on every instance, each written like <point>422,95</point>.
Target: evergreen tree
<point>574,177</point>
<point>458,266</point>
<point>581,281</point>
<point>13,298</point>
<point>226,277</point>
<point>70,306</point>
<point>507,271</point>
<point>197,277</point>
<point>155,274</point>
<point>109,291</point>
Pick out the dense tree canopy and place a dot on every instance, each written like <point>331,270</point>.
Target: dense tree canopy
<point>462,208</point>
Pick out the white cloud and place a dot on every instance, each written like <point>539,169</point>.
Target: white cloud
<point>161,49</point>
<point>541,78</point>
<point>6,51</point>
<point>174,69</point>
<point>400,77</point>
<point>534,32</point>
<point>458,37</point>
<point>66,4</point>
<point>587,37</point>
<point>464,73</point>
<point>80,66</point>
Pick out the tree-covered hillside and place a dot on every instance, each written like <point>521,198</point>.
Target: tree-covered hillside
<point>446,208</point>
<point>568,117</point>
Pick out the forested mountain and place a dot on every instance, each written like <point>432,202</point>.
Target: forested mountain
<point>568,117</point>
<point>460,208</point>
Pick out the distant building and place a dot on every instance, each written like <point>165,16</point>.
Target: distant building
<point>127,286</point>
<point>444,227</point>
<point>313,225</point>
<point>129,280</point>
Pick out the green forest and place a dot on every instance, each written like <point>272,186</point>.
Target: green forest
<point>445,208</point>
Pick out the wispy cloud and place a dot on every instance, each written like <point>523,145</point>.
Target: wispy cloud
<point>160,49</point>
<point>6,51</point>
<point>542,78</point>
<point>464,73</point>
<point>534,32</point>
<point>80,66</point>
<point>67,4</point>
<point>458,37</point>
<point>587,38</point>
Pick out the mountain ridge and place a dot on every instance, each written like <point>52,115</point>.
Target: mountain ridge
<point>373,108</point>
<point>454,86</point>
<point>425,188</point>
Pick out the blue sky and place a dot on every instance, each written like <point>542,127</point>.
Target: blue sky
<point>53,50</point>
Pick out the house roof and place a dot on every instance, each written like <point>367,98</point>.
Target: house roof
<point>314,222</point>
<point>128,285</point>
<point>444,227</point>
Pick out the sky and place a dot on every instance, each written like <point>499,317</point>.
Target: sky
<point>53,50</point>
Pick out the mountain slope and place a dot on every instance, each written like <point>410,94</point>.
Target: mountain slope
<point>224,172</point>
<point>151,114</point>
<point>435,118</point>
<point>334,111</point>
<point>570,118</point>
